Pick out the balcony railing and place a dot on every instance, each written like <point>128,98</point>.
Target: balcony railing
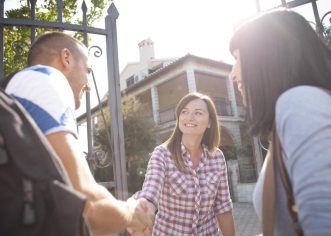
<point>168,114</point>
<point>223,106</point>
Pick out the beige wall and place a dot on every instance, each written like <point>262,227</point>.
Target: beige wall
<point>171,91</point>
<point>214,86</point>
<point>146,100</point>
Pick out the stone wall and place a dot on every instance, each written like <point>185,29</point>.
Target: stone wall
<point>240,192</point>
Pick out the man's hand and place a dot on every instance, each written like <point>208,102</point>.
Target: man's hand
<point>142,217</point>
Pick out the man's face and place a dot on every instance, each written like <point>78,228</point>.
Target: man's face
<point>78,75</point>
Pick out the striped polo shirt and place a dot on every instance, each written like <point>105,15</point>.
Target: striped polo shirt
<point>47,96</point>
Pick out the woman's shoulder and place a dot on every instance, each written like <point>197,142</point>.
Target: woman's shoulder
<point>303,93</point>
<point>162,147</point>
<point>301,112</point>
<point>216,154</point>
<point>302,100</point>
<point>161,151</point>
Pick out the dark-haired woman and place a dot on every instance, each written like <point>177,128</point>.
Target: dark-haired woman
<point>283,71</point>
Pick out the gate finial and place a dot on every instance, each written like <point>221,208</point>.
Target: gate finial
<point>112,11</point>
<point>84,7</point>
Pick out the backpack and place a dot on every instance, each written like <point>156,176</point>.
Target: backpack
<point>36,196</point>
<point>5,80</point>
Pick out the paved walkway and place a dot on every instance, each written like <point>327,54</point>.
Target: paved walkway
<point>246,221</point>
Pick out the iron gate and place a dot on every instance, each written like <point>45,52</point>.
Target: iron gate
<point>114,98</point>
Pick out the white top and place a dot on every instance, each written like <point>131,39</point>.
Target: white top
<point>47,96</point>
<point>303,123</point>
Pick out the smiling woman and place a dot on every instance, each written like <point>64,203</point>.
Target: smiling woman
<point>194,119</point>
<point>187,175</point>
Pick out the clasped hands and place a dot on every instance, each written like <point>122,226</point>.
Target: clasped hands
<point>142,217</point>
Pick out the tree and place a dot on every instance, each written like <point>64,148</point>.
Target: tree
<point>17,38</point>
<point>138,130</point>
<point>139,140</point>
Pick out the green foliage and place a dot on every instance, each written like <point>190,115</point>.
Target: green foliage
<point>327,35</point>
<point>137,170</point>
<point>96,9</point>
<point>139,140</point>
<point>101,137</point>
<point>15,54</point>
<point>104,174</point>
<point>138,131</point>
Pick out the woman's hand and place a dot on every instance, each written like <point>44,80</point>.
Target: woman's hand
<point>143,217</point>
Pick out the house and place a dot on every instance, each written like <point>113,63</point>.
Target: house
<point>160,83</point>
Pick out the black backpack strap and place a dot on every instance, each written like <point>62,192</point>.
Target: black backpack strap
<point>274,164</point>
<point>3,153</point>
<point>280,167</point>
<point>269,192</point>
<point>39,199</point>
<point>5,80</point>
<point>21,131</point>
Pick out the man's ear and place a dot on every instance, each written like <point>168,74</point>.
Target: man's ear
<point>66,57</point>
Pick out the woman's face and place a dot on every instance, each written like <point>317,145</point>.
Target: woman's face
<point>235,74</point>
<point>194,118</point>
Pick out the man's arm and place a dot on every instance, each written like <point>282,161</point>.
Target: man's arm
<point>103,212</point>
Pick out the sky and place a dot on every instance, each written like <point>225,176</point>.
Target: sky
<point>177,27</point>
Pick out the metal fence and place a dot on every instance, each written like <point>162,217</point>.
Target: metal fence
<point>322,24</point>
<point>114,96</point>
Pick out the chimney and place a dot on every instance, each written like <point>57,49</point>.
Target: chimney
<point>146,50</point>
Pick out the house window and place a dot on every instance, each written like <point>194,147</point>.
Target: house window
<point>223,107</point>
<point>130,81</point>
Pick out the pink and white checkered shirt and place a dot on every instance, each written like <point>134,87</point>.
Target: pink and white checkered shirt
<point>187,202</point>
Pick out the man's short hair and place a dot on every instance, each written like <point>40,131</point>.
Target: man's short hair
<point>50,44</point>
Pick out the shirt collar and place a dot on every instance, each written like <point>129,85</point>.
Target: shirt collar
<point>205,150</point>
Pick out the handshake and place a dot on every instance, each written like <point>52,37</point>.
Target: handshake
<point>143,215</point>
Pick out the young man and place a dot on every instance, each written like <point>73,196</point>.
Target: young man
<point>50,89</point>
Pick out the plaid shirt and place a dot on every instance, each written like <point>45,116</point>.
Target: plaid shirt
<point>187,203</point>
